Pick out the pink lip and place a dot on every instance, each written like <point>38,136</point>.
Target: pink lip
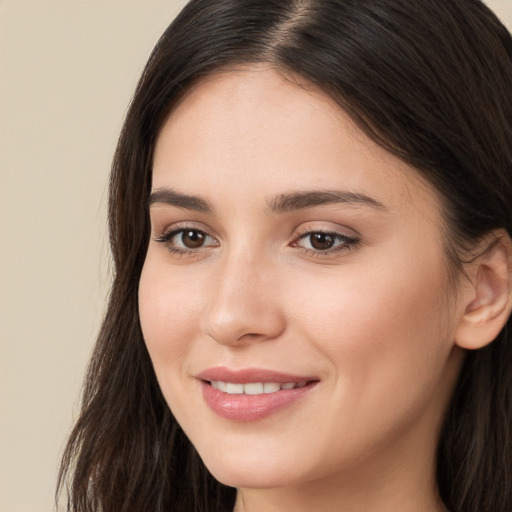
<point>246,408</point>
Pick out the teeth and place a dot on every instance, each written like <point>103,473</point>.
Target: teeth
<point>271,387</point>
<point>254,388</point>
<point>234,389</point>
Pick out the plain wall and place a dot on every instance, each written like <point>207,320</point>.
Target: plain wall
<point>67,71</point>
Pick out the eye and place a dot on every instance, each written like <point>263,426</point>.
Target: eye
<point>185,240</point>
<point>321,242</point>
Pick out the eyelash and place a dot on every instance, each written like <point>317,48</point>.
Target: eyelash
<point>166,239</point>
<point>344,242</point>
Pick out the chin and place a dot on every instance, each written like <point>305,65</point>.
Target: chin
<point>251,475</point>
<point>251,478</point>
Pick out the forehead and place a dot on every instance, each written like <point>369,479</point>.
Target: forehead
<point>252,131</point>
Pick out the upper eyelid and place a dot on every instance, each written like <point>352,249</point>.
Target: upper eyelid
<point>182,225</point>
<point>167,234</point>
<point>338,229</point>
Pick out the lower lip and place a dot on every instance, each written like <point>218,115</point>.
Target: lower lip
<point>245,408</point>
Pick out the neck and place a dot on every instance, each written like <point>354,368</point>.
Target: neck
<point>352,497</point>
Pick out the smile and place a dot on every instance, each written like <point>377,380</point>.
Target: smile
<point>252,394</point>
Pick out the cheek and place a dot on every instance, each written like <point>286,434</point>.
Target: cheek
<point>168,315</point>
<point>379,323</point>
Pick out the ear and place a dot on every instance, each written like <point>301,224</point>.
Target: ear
<point>487,298</point>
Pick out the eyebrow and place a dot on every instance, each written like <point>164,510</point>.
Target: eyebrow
<point>280,204</point>
<point>309,199</point>
<point>170,197</point>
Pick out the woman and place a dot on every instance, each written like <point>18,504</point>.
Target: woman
<point>310,221</point>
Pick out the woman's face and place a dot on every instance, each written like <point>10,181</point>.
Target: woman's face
<point>294,298</point>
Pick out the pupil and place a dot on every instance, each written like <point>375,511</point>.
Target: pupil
<point>322,241</point>
<point>193,239</point>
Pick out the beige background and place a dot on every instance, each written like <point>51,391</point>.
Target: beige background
<point>67,70</point>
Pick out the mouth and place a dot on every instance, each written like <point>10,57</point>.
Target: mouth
<point>251,395</point>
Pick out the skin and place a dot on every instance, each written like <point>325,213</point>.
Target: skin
<point>373,319</point>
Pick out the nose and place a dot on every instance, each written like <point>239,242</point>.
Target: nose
<point>244,303</point>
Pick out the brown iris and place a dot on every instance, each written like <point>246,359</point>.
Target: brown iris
<point>321,241</point>
<point>193,239</point>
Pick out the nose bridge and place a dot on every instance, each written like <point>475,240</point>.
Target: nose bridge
<point>243,304</point>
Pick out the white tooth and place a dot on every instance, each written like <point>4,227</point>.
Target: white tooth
<point>253,388</point>
<point>271,387</point>
<point>234,389</point>
<point>301,384</point>
<point>222,386</point>
<point>215,384</point>
<point>288,385</point>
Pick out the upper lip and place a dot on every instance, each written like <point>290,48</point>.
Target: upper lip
<point>247,375</point>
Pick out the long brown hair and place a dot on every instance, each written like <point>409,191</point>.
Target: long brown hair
<point>429,80</point>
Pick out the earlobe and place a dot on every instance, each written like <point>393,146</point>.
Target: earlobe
<point>488,299</point>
